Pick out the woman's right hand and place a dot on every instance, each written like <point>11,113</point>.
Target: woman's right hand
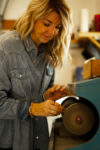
<point>56,92</point>
<point>47,108</point>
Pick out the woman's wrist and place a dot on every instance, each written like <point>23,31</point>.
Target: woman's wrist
<point>31,110</point>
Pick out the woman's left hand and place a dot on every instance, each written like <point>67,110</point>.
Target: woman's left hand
<point>56,92</point>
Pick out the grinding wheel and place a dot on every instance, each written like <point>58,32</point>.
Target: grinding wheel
<point>80,117</point>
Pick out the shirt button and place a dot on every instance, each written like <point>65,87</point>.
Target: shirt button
<point>20,76</point>
<point>37,138</point>
<point>36,119</point>
<point>35,101</point>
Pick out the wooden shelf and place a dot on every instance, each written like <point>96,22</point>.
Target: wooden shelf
<point>92,36</point>
<point>88,34</point>
<point>8,24</point>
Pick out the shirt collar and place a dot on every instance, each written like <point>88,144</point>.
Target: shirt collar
<point>30,45</point>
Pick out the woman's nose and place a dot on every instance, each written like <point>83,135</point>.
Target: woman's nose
<point>51,31</point>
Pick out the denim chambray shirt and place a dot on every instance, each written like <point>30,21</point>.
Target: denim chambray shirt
<point>24,76</point>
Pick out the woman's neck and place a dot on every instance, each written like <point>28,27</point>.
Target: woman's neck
<point>36,42</point>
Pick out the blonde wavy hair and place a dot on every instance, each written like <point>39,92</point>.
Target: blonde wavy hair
<point>58,47</point>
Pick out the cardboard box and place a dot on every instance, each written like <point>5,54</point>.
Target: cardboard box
<point>91,69</point>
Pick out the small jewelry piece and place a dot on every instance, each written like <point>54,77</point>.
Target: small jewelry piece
<point>52,111</point>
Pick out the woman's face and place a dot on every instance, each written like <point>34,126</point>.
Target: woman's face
<point>46,28</point>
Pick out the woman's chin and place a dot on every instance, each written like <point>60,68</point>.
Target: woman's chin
<point>45,41</point>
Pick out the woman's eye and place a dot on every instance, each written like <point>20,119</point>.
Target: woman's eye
<point>58,27</point>
<point>46,24</point>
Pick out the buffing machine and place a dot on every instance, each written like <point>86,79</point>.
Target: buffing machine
<point>78,127</point>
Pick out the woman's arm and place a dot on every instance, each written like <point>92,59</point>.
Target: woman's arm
<point>9,108</point>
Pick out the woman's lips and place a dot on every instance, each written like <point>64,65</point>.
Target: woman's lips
<point>47,37</point>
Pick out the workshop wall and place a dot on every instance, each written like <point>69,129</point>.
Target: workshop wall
<point>98,6</point>
<point>16,7</point>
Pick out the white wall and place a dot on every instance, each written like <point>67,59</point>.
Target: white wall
<point>77,5</point>
<point>64,76</point>
<point>98,6</point>
<point>16,7</point>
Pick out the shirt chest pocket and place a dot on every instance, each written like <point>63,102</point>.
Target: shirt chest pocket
<point>21,82</point>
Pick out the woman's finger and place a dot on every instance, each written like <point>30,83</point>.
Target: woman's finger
<point>56,109</point>
<point>63,87</point>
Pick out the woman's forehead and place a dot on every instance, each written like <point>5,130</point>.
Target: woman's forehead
<point>53,17</point>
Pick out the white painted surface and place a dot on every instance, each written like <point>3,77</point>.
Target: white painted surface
<point>16,7</point>
<point>77,5</point>
<point>64,75</point>
<point>97,6</point>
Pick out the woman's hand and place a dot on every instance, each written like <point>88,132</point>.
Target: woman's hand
<point>47,108</point>
<point>56,92</point>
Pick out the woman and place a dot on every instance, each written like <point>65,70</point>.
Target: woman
<point>28,56</point>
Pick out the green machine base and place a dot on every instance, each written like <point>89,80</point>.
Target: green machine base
<point>89,89</point>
